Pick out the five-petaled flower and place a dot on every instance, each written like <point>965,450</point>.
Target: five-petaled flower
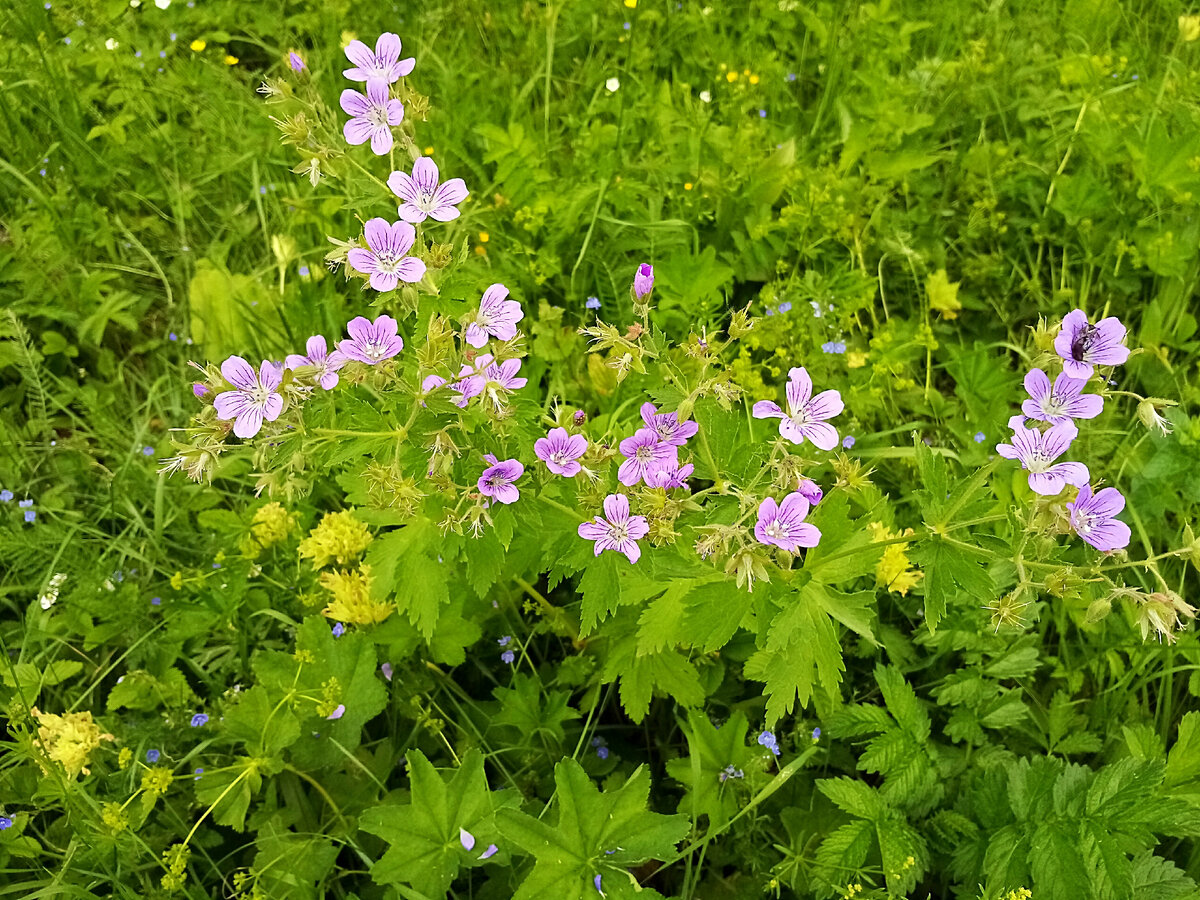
<point>560,451</point>
<point>1083,346</point>
<point>782,524</point>
<point>372,117</point>
<point>1093,517</point>
<point>497,479</point>
<point>422,195</point>
<point>383,66</point>
<point>643,280</point>
<point>254,397</point>
<point>319,357</point>
<point>372,342</point>
<point>1060,403</point>
<point>667,426</point>
<point>497,317</point>
<point>386,261</point>
<point>617,530</point>
<point>806,415</point>
<point>670,476</point>
<point>1037,451</point>
<point>644,453</point>
<point>199,720</point>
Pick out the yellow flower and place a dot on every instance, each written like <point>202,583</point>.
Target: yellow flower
<point>68,739</point>
<point>480,250</point>
<point>856,359</point>
<point>114,817</point>
<point>230,60</point>
<point>177,581</point>
<point>745,71</point>
<point>352,601</point>
<point>687,185</point>
<point>483,237</point>
<point>892,572</point>
<point>197,45</point>
<point>156,781</point>
<point>1189,28</point>
<point>632,4</point>
<point>754,79</point>
<point>731,76</point>
<point>124,758</point>
<point>339,537</point>
<point>429,151</point>
<point>270,525</point>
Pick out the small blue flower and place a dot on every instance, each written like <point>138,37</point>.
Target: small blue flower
<point>156,601</point>
<point>816,735</point>
<point>147,451</point>
<point>785,306</point>
<point>602,752</point>
<point>848,441</point>
<point>216,565</point>
<point>833,347</point>
<point>5,821</point>
<point>730,772</point>
<point>30,515</point>
<point>770,311</point>
<point>767,739</point>
<point>762,113</point>
<point>199,720</point>
<point>42,172</point>
<point>592,303</point>
<point>338,630</point>
<point>980,437</point>
<point>198,773</point>
<point>6,495</point>
<point>67,41</point>
<point>598,742</point>
<point>507,657</point>
<point>173,35</point>
<point>162,54</point>
<point>262,189</point>
<point>503,642</point>
<point>304,272</point>
<point>628,26</point>
<point>24,504</point>
<point>152,756</point>
<point>791,76</point>
<point>596,882</point>
<point>173,336</point>
<point>137,54</point>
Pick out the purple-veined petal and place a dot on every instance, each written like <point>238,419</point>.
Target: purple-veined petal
<point>616,508</point>
<point>1057,439</point>
<point>377,233</point>
<point>360,329</point>
<point>316,347</point>
<point>410,212</point>
<point>1107,503</point>
<point>794,507</point>
<point>826,405</point>
<point>377,93</point>
<point>362,57</point>
<point>823,435</point>
<point>476,336</point>
<point>444,213</point>
<point>767,409</point>
<point>270,375</point>
<point>249,422</point>
<point>1046,483</point>
<point>799,389</point>
<point>403,186</point>
<point>401,236</point>
<point>239,373</point>
<point>1108,536</point>
<point>425,175</point>
<point>1037,383</point>
<point>354,104</point>
<point>384,281</point>
<point>465,837</point>
<point>806,535</point>
<point>230,404</point>
<point>272,407</point>
<point>631,550</point>
<point>593,531</point>
<point>452,193</point>
<point>1073,473</point>
<point>357,131</point>
<point>395,112</point>
<point>637,527</point>
<point>363,260</point>
<point>387,51</point>
<point>411,269</point>
<point>381,140</point>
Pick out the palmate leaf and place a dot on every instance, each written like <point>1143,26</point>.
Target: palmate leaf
<point>710,751</point>
<point>950,572</point>
<point>425,846</point>
<point>593,834</point>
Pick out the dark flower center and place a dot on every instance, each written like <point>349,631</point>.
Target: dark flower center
<point>1083,342</point>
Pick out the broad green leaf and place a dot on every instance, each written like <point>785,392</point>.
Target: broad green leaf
<point>710,751</point>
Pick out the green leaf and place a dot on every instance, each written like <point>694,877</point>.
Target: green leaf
<point>530,710</point>
<point>950,572</point>
<point>264,726</point>
<point>854,797</point>
<point>593,834</point>
<point>406,561</point>
<point>1058,867</point>
<point>710,751</point>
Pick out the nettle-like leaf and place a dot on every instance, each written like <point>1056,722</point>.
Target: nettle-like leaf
<point>711,751</point>
<point>426,844</point>
<point>594,835</point>
<point>642,675</point>
<point>407,562</point>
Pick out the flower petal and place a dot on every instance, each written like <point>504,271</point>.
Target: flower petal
<point>248,423</point>
<point>616,508</point>
<point>354,104</point>
<point>425,175</point>
<point>799,388</point>
<point>823,435</point>
<point>1037,384</point>
<point>767,409</point>
<point>357,131</point>
<point>411,269</point>
<point>239,373</point>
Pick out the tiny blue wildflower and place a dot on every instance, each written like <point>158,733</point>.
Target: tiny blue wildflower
<point>507,657</point>
<point>30,515</point>
<point>152,756</point>
<point>503,642</point>
<point>147,451</point>
<point>304,271</point>
<point>199,720</point>
<point>1133,78</point>
<point>596,882</point>
<point>791,76</point>
<point>833,347</point>
<point>602,752</point>
<point>816,735</point>
<point>592,303</point>
<point>730,772</point>
<point>5,821</point>
<point>173,336</point>
<point>628,26</point>
<point>67,41</point>
<point>980,437</point>
<point>6,495</point>
<point>762,113</point>
<point>24,504</point>
<point>598,742</point>
<point>262,189</point>
<point>173,35</point>
<point>42,172</point>
<point>848,441</point>
<point>198,773</point>
<point>767,739</point>
<point>137,54</point>
<point>785,306</point>
<point>338,630</point>
<point>387,670</point>
<point>770,311</point>
<point>156,601</point>
<point>216,565</point>
<point>162,54</point>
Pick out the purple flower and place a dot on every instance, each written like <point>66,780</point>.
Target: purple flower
<point>848,441</point>
<point>200,390</point>
<point>152,756</point>
<point>372,117</point>
<point>505,640</point>
<point>30,515</point>
<point>592,303</point>
<point>1093,516</point>
<point>254,397</point>
<point>1061,403</point>
<point>338,629</point>
<point>560,450</point>
<point>667,425</point>
<point>497,479</point>
<point>816,735</point>
<point>618,530</point>
<point>1037,451</point>
<point>5,823</point>
<point>810,491</point>
<point>24,504</point>
<point>602,753</point>
<point>6,495</point>
<point>147,451</point>
<point>386,262</point>
<point>156,601</point>
<point>833,347</point>
<point>596,882</point>
<point>197,773</point>
<point>768,740</point>
<point>669,477</point>
<point>372,342</point>
<point>386,669</point>
<point>296,61</point>
<point>319,357</point>
<point>422,195</point>
<point>644,454</point>
<point>498,317</point>
<point>782,524</point>
<point>382,67</point>
<point>643,280</point>
<point>491,376</point>
<point>507,657</point>
<point>806,414</point>
<point>338,712</point>
<point>1083,346</point>
<point>199,720</point>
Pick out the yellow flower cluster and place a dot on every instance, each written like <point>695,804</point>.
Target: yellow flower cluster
<point>1022,893</point>
<point>339,538</point>
<point>175,859</point>
<point>270,525</point>
<point>893,572</point>
<point>69,739</point>
<point>352,601</point>
<point>156,781</point>
<point>114,817</point>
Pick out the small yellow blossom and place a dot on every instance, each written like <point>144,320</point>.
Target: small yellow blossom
<point>1022,893</point>
<point>731,76</point>
<point>114,817</point>
<point>745,71</point>
<point>231,60</point>
<point>429,151</point>
<point>480,250</point>
<point>687,185</point>
<point>1189,27</point>
<point>632,4</point>
<point>124,758</point>
<point>155,781</point>
<point>270,525</point>
<point>68,739</point>
<point>177,581</point>
<point>943,294</point>
<point>338,538</point>
<point>197,45</point>
<point>484,237</point>
<point>892,571</point>
<point>856,359</point>
<point>754,79</point>
<point>352,601</point>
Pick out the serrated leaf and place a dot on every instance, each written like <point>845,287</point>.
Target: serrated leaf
<point>854,797</point>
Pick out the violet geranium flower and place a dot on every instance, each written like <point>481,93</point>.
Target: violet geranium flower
<point>560,451</point>
<point>423,197</point>
<point>810,491</point>
<point>498,317</point>
<point>319,357</point>
<point>618,530</point>
<point>500,377</point>
<point>667,426</point>
<point>670,476</point>
<point>386,262</point>
<point>643,280</point>
<point>1061,403</point>
<point>1093,517</point>
<point>383,66</point>
<point>254,397</point>
<point>644,453</point>
<point>497,479</point>
<point>782,525</point>
<point>372,342</point>
<point>806,414</point>
<point>1083,346</point>
<point>372,117</point>
<point>1037,451</point>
